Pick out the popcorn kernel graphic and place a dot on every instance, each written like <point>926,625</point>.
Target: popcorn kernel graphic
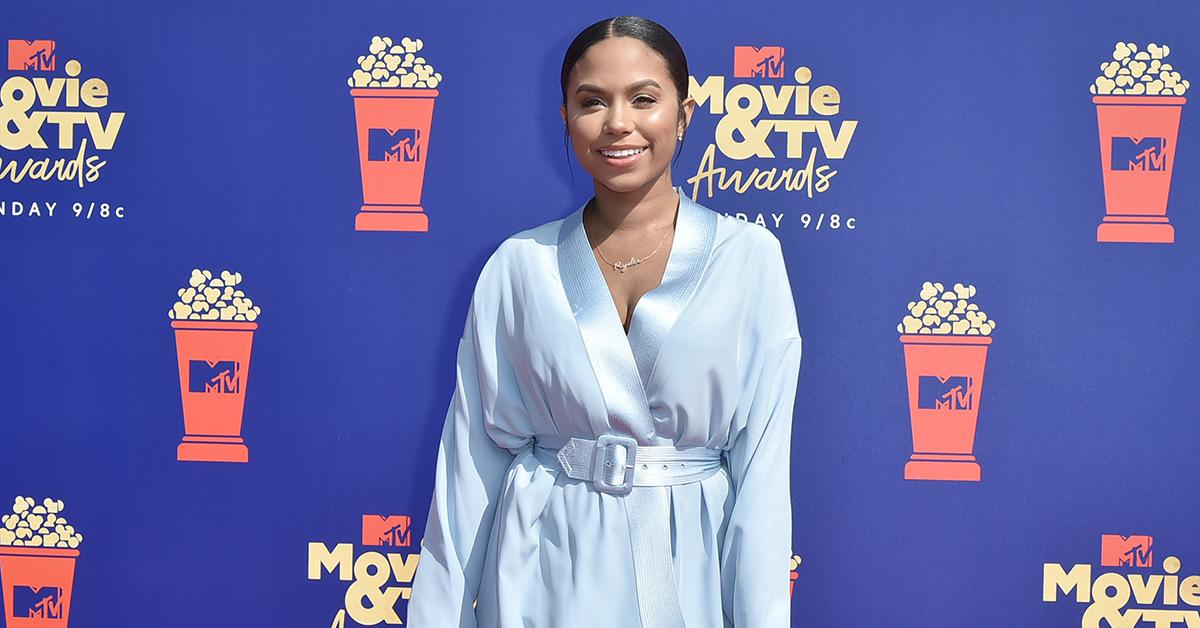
<point>209,297</point>
<point>394,65</point>
<point>38,525</point>
<point>1133,72</point>
<point>941,311</point>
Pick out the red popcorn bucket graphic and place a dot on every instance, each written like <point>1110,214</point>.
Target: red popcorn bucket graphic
<point>1137,157</point>
<point>393,142</point>
<point>214,367</point>
<point>793,575</point>
<point>945,383</point>
<point>37,584</point>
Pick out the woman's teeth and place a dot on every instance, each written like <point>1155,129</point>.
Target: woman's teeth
<point>621,153</point>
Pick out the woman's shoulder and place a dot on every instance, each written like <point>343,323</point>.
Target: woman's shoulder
<point>758,252</point>
<point>533,242</point>
<point>527,251</point>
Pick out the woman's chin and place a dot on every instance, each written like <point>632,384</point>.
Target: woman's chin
<point>624,182</point>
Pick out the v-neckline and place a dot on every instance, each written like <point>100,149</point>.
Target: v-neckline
<point>672,259</point>
<point>623,361</point>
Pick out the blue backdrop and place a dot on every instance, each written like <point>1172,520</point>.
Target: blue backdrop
<point>975,159</point>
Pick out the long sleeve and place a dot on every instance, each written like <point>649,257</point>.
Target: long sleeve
<point>470,473</point>
<point>757,547</point>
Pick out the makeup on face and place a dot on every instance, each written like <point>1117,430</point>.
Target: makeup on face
<point>623,115</point>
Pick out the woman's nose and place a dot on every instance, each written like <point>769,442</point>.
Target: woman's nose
<point>617,121</point>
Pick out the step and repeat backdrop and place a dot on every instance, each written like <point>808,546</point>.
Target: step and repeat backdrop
<point>237,242</point>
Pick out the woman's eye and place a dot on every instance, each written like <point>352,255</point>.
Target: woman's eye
<point>643,99</point>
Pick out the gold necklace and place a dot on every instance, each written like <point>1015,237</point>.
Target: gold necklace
<point>633,261</point>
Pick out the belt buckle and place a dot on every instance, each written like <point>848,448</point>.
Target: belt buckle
<point>602,460</point>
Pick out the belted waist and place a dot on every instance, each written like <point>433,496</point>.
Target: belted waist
<point>615,464</point>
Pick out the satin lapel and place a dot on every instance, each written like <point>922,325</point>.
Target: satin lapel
<point>658,309</point>
<point>622,371</point>
<point>603,335</point>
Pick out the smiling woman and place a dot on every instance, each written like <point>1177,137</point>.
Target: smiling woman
<point>624,84</point>
<point>617,448</point>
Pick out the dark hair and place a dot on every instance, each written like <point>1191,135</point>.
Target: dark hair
<point>649,32</point>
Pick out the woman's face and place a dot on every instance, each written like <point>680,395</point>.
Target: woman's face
<point>620,96</point>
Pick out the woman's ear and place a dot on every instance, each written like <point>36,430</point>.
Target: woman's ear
<point>688,106</point>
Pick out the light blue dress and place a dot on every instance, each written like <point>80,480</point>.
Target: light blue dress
<point>712,360</point>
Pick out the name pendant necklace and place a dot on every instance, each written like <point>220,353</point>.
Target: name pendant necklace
<point>633,260</point>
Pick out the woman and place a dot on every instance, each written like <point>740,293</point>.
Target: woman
<point>617,449</point>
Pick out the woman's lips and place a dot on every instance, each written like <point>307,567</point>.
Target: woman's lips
<point>622,161</point>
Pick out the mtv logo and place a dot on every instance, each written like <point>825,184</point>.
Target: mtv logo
<point>1139,153</point>
<point>398,145</point>
<point>31,54</point>
<point>755,61</point>
<point>390,530</point>
<point>222,377</point>
<point>37,602</point>
<point>945,393</point>
<point>1118,550</point>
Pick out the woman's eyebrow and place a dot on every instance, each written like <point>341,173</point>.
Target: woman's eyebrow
<point>588,87</point>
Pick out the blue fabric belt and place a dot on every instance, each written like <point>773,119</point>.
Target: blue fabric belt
<point>616,464</point>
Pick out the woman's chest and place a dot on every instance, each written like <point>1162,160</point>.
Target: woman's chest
<point>696,341</point>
